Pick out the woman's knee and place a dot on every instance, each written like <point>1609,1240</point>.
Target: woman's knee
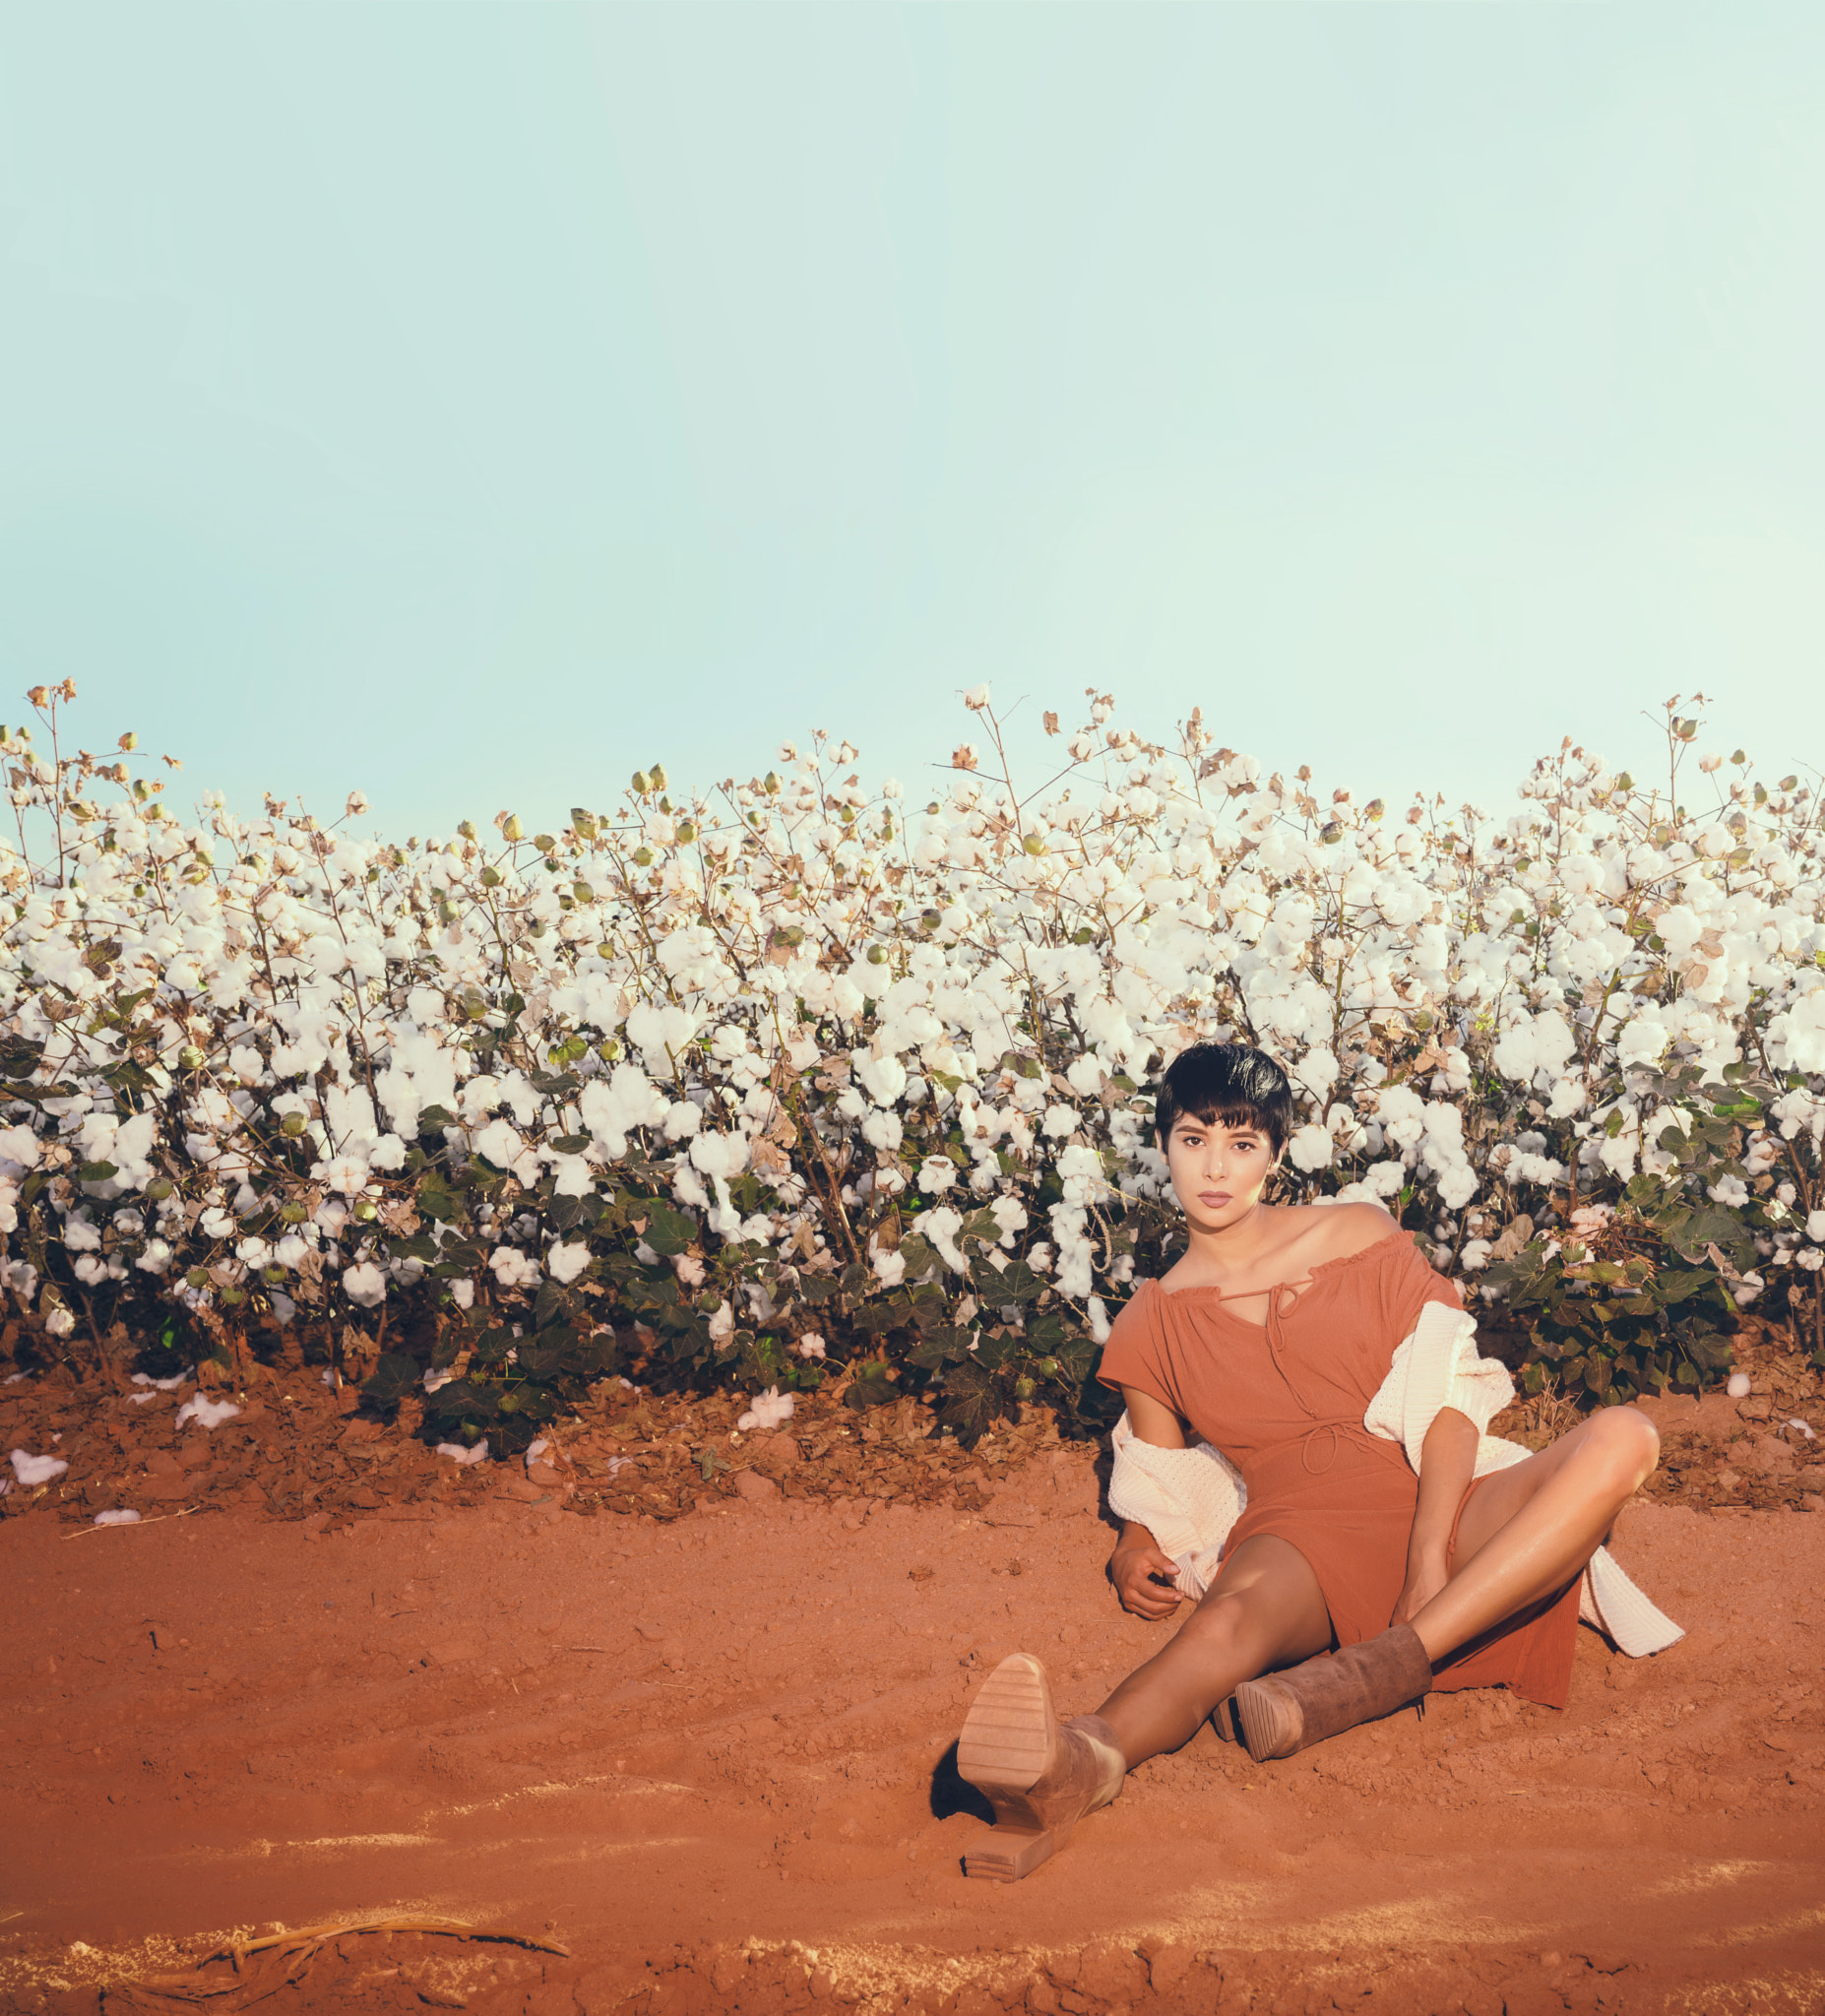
<point>1624,1445</point>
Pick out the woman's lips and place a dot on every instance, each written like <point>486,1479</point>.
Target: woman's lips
<point>1215,1199</point>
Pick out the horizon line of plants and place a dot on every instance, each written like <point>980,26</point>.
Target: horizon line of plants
<point>785,1084</point>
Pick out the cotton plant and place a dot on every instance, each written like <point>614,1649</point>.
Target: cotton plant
<point>811,1079</point>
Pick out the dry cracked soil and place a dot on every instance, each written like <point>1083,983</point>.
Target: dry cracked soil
<point>663,1725</point>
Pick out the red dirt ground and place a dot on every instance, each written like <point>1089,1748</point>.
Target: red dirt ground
<point>707,1756</point>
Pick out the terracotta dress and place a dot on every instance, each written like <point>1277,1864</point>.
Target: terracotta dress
<point>1285,1400</point>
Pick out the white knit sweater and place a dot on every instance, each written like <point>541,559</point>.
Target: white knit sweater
<point>1189,1499</point>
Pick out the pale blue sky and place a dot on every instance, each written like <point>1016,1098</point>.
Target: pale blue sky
<point>470,402</point>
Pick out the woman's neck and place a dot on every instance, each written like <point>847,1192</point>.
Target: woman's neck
<point>1233,1248</point>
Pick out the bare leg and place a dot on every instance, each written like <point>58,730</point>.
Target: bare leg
<point>1264,1609</point>
<point>1527,1530</point>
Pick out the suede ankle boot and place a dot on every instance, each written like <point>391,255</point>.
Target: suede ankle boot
<point>1282,1713</point>
<point>1041,1776</point>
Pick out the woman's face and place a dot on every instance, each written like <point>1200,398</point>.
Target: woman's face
<point>1217,1171</point>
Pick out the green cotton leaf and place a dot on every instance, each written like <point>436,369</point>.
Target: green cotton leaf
<point>1678,1284</point>
<point>432,1119</point>
<point>1019,1282</point>
<point>669,1232</point>
<point>392,1379</point>
<point>917,1255</point>
<point>1689,1230</point>
<point>942,1348</point>
<point>437,1203</point>
<point>972,1399</point>
<point>571,1143</point>
<point>871,1387</point>
<point>1715,1354</point>
<point>95,1173</point>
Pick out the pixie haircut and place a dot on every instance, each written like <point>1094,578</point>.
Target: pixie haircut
<point>1226,1085</point>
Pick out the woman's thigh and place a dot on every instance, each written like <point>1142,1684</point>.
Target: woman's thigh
<point>1266,1604</point>
<point>1499,1497</point>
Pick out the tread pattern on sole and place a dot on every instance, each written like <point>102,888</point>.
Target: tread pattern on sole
<point>1007,1735</point>
<point>1270,1722</point>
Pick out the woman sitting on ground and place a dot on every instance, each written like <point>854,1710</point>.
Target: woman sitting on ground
<point>1349,1587</point>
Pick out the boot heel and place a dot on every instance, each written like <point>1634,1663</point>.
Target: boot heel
<point>1223,1722</point>
<point>1004,1855</point>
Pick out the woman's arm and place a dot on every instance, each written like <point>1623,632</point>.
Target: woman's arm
<point>1143,1574</point>
<point>1447,1459</point>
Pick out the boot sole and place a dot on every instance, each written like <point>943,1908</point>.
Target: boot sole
<point>1009,1737</point>
<point>1011,1732</point>
<point>1224,1721</point>
<point>1271,1721</point>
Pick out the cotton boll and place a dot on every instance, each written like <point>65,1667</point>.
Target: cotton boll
<point>123,1515</point>
<point>565,1262</point>
<point>722,1323</point>
<point>682,1119</point>
<point>463,1293</point>
<point>1010,1214</point>
<point>811,1345</point>
<point>884,1078</point>
<point>689,1270</point>
<point>207,1412</point>
<point>1085,1075</point>
<point>1060,1122</point>
<point>457,1453</point>
<point>1310,1148</point>
<point>1737,1386</point>
<point>512,1268</point>
<point>770,1409</point>
<point>364,1285</point>
<point>936,1174</point>
<point>32,1471</point>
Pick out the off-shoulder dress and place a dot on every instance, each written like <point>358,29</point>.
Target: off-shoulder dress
<point>1283,1401</point>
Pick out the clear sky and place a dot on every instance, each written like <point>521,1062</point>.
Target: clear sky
<point>470,402</point>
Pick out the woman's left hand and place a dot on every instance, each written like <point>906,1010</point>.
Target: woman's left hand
<point>1425,1577</point>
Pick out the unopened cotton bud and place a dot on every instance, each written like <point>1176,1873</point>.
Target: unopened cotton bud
<point>129,740</point>
<point>511,827</point>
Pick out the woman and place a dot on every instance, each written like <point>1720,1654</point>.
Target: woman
<point>1349,1587</point>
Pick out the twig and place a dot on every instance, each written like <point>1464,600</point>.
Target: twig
<point>316,1935</point>
<point>129,1525</point>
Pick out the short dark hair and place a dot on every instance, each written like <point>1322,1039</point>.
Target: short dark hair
<point>1224,1084</point>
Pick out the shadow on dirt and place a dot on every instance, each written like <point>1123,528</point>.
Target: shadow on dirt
<point>953,1794</point>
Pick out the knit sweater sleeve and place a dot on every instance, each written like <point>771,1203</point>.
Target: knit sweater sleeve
<point>1437,1366</point>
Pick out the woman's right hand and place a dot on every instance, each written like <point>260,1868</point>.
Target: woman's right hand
<point>1134,1570</point>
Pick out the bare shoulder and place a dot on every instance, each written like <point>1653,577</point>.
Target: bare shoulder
<point>1338,1231</point>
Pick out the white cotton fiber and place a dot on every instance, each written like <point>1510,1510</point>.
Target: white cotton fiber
<point>170,1385</point>
<point>37,1469</point>
<point>207,1412</point>
<point>1739,1387</point>
<point>458,1454</point>
<point>770,1409</point>
<point>122,1515</point>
